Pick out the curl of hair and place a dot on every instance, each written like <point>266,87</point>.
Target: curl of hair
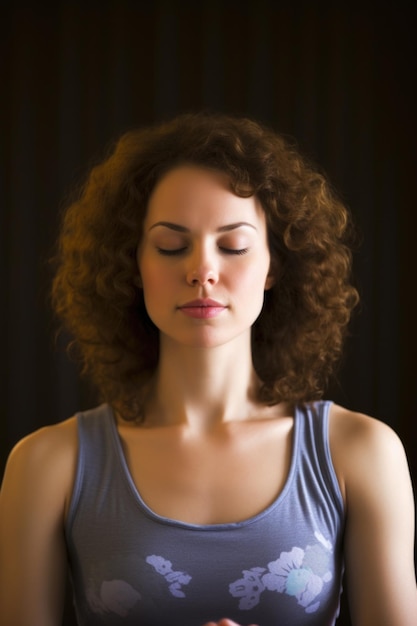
<point>297,339</point>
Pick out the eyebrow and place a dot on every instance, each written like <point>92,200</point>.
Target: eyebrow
<point>182,229</point>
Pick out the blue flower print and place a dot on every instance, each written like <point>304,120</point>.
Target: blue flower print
<point>248,588</point>
<point>175,579</point>
<point>289,575</point>
<point>298,573</point>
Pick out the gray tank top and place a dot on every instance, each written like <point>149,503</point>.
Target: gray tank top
<point>130,566</point>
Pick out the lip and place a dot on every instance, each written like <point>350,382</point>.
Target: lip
<point>202,308</point>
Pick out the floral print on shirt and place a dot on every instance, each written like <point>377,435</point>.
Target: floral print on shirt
<point>114,596</point>
<point>174,579</point>
<point>300,573</point>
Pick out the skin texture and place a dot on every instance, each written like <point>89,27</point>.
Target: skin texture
<point>210,426</point>
<point>216,258</point>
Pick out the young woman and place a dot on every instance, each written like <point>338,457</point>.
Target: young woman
<point>204,274</point>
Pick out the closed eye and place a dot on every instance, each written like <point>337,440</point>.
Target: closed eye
<point>171,252</point>
<point>179,251</point>
<point>234,251</point>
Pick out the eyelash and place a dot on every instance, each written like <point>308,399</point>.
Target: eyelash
<point>231,251</point>
<point>179,251</point>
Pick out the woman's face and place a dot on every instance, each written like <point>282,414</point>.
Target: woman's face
<point>204,259</point>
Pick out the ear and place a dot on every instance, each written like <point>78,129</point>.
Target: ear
<point>270,281</point>
<point>272,275</point>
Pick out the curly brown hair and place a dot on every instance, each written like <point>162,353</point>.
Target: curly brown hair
<point>297,339</point>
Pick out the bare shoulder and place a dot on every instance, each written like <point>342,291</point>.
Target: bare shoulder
<point>359,431</point>
<point>34,497</point>
<point>46,459</point>
<point>363,447</point>
<point>56,443</point>
<point>372,468</point>
<point>360,428</point>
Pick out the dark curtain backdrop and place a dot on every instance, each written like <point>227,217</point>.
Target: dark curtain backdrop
<point>339,77</point>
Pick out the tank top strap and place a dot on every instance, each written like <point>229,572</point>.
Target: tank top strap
<point>315,465</point>
<point>95,465</point>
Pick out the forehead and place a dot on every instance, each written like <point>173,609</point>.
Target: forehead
<point>189,192</point>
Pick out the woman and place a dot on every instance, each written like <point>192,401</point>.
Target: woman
<point>204,274</point>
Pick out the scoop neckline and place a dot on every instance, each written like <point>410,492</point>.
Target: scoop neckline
<point>120,454</point>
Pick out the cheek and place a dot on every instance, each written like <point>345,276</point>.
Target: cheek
<point>154,293</point>
<point>254,275</point>
<point>158,286</point>
<point>150,271</point>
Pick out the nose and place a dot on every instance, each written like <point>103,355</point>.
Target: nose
<point>202,268</point>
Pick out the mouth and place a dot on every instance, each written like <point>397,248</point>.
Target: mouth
<point>202,308</point>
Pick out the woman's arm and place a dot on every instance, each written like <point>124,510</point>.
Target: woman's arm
<point>36,487</point>
<point>379,542</point>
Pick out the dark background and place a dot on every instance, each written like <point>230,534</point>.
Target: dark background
<point>337,76</point>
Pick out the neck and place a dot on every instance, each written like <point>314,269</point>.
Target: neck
<point>203,387</point>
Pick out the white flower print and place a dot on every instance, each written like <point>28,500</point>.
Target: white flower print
<point>289,575</point>
<point>248,588</point>
<point>298,573</point>
<point>175,579</point>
